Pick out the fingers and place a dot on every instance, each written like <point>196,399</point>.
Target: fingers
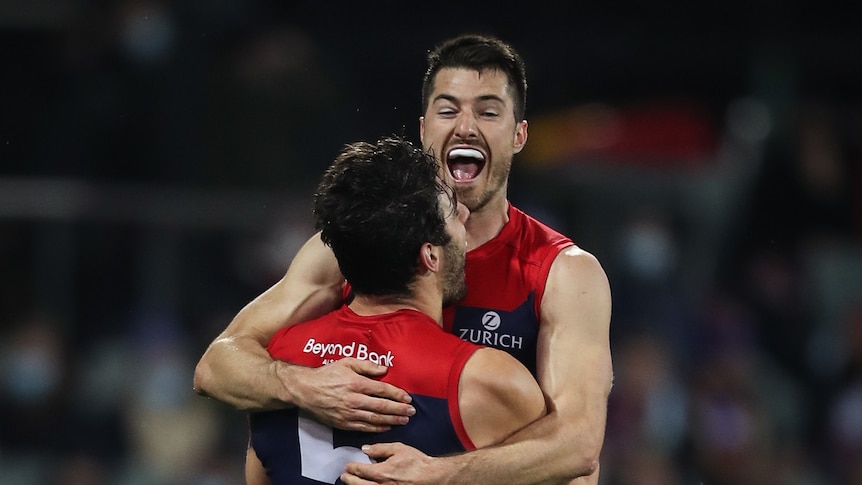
<point>394,463</point>
<point>359,420</point>
<point>378,397</point>
<point>378,452</point>
<point>349,479</point>
<point>369,413</point>
<point>347,398</point>
<point>346,394</point>
<point>377,388</point>
<point>358,473</point>
<point>364,367</point>
<point>369,473</point>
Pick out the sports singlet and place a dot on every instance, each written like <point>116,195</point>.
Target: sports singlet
<point>423,360</point>
<point>505,283</point>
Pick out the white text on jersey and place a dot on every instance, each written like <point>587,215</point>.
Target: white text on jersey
<point>333,351</point>
<point>492,339</point>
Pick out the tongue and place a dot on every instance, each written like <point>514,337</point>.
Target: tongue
<point>463,170</point>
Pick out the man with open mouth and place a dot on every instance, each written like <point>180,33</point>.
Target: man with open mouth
<point>530,291</point>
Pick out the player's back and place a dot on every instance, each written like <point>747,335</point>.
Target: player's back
<point>423,360</point>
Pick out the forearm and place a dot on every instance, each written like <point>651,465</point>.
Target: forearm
<point>240,372</point>
<point>547,451</point>
<point>490,469</point>
<point>236,368</point>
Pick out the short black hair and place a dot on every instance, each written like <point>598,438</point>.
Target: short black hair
<point>375,206</point>
<point>479,52</point>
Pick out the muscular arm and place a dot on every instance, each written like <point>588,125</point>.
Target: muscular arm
<point>237,369</point>
<point>497,396</point>
<point>575,372</point>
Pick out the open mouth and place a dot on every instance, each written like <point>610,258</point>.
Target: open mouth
<point>465,164</point>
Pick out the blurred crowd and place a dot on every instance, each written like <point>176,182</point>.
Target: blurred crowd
<point>157,161</point>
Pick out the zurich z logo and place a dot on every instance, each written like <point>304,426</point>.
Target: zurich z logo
<point>491,321</point>
<point>485,326</point>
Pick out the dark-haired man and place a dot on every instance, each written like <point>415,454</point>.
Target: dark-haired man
<point>531,292</point>
<point>398,235</point>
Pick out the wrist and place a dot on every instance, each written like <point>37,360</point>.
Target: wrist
<point>286,390</point>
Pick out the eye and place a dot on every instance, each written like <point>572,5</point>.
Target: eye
<point>490,109</point>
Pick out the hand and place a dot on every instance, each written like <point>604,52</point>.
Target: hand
<point>343,395</point>
<point>398,464</point>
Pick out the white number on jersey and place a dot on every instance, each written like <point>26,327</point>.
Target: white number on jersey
<point>321,461</point>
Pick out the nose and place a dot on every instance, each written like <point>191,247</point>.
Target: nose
<point>466,127</point>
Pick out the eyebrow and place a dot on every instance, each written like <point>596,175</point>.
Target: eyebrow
<point>484,97</point>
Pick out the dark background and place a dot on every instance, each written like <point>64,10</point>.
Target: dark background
<point>158,158</point>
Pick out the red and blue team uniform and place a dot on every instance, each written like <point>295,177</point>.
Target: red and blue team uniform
<point>505,283</point>
<point>423,360</point>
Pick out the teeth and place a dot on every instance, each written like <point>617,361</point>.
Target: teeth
<point>466,152</point>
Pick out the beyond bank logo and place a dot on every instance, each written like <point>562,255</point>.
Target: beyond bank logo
<point>331,352</point>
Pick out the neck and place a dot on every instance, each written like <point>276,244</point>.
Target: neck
<point>485,223</point>
<point>429,303</point>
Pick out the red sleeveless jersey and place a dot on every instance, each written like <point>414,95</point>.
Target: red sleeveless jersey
<point>423,360</point>
<point>506,279</point>
<point>505,283</point>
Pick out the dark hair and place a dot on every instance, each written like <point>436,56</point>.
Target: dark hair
<point>375,207</point>
<point>478,52</point>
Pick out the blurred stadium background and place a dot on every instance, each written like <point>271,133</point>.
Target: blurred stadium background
<point>157,161</point>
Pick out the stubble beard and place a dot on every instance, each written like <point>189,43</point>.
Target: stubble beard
<point>454,281</point>
<point>496,183</point>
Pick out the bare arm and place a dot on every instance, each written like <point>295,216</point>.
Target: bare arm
<point>574,371</point>
<point>255,474</point>
<point>497,397</point>
<point>237,369</point>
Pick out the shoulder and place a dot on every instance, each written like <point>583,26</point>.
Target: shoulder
<point>535,227</point>
<point>578,266</point>
<point>536,241</point>
<point>577,291</point>
<point>498,396</point>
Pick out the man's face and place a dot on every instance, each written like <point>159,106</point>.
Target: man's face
<point>454,253</point>
<point>470,125</point>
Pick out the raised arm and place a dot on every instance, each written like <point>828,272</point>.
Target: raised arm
<point>574,371</point>
<point>237,369</point>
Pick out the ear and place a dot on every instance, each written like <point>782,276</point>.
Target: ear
<point>422,130</point>
<point>520,136</point>
<point>429,258</point>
